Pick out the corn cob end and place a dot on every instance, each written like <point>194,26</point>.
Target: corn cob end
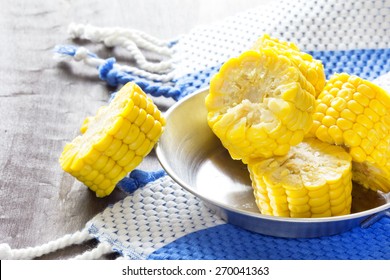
<point>312,180</point>
<point>114,141</point>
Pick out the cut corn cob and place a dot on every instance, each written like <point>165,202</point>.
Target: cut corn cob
<point>114,141</point>
<point>259,105</point>
<point>312,180</point>
<point>355,113</point>
<point>311,68</point>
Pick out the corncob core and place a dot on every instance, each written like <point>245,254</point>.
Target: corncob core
<point>114,141</point>
<point>311,68</point>
<point>355,113</point>
<point>259,105</point>
<point>312,180</point>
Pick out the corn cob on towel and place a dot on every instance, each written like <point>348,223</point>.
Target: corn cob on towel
<point>160,220</point>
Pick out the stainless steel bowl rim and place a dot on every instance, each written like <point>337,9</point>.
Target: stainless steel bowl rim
<point>162,159</point>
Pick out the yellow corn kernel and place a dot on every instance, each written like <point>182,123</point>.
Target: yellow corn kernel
<point>355,107</point>
<point>256,98</point>
<point>297,201</point>
<point>123,132</point>
<point>328,121</point>
<point>343,93</point>
<point>144,148</point>
<point>344,124</point>
<point>99,178</point>
<point>138,142</point>
<point>365,90</point>
<point>380,130</point>
<point>85,170</point>
<point>340,199</point>
<point>371,115</point>
<point>332,112</point>
<point>324,207</point>
<point>297,137</point>
<point>141,118</point>
<point>113,148</point>
<point>282,149</point>
<point>363,126</point>
<point>338,103</point>
<point>90,156</point>
<point>378,107</point>
<point>339,210</point>
<point>133,164</point>
<point>358,155</point>
<point>132,134</point>
<point>364,121</point>
<point>362,99</point>
<point>148,124</point>
<point>127,158</point>
<point>103,143</point>
<point>284,138</point>
<point>318,116</point>
<point>114,140</point>
<point>91,176</point>
<point>109,165</point>
<point>133,114</point>
<point>155,131</point>
<point>100,163</point>
<point>78,164</point>
<point>322,134</point>
<point>360,130</point>
<point>351,138</point>
<point>367,146</point>
<point>121,152</point>
<point>143,102</point>
<point>335,191</point>
<point>312,180</point>
<point>317,194</point>
<point>348,115</point>
<point>114,172</point>
<point>136,98</point>
<point>373,137</point>
<point>336,135</point>
<point>321,108</point>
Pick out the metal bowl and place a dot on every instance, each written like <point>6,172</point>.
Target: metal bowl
<point>195,158</point>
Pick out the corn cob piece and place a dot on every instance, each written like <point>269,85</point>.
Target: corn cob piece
<point>356,113</point>
<point>259,105</point>
<point>312,180</point>
<point>114,141</point>
<point>311,68</point>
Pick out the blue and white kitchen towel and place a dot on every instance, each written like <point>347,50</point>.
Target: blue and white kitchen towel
<point>160,220</point>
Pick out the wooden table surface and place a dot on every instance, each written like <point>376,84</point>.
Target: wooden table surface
<point>43,103</point>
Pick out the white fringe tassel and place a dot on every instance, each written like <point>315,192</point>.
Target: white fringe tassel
<point>96,253</point>
<point>6,253</point>
<point>132,40</point>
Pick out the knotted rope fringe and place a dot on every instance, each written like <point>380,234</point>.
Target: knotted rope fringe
<point>139,178</point>
<point>91,59</point>
<point>79,237</point>
<point>115,74</point>
<point>135,180</point>
<point>132,40</point>
<point>94,254</point>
